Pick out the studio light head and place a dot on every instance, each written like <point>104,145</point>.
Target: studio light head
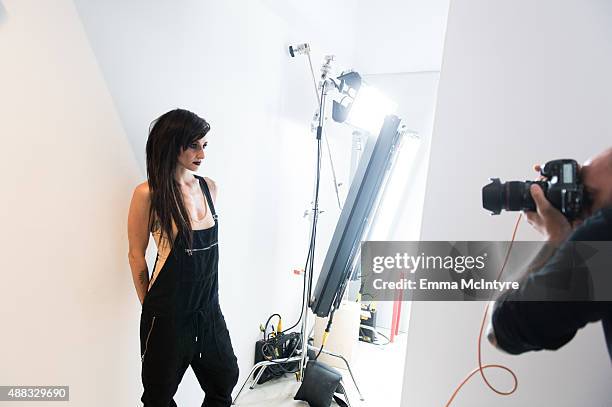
<point>360,104</point>
<point>348,86</point>
<point>356,103</point>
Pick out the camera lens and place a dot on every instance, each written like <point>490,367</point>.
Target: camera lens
<point>492,196</point>
<point>561,185</point>
<point>509,196</point>
<point>517,196</point>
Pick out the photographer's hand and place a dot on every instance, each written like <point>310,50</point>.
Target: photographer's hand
<point>547,220</point>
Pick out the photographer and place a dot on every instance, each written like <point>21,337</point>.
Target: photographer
<point>519,326</point>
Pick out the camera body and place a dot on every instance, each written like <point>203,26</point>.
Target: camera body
<point>562,187</point>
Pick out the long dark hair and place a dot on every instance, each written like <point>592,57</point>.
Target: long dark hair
<point>169,135</point>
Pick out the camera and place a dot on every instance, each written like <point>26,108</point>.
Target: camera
<point>562,187</point>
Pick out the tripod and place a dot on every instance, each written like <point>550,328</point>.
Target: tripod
<point>308,272</point>
<point>302,358</point>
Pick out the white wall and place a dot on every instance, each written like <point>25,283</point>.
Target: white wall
<point>66,298</point>
<point>399,36</point>
<point>76,105</point>
<point>522,82</point>
<point>228,62</point>
<point>81,81</point>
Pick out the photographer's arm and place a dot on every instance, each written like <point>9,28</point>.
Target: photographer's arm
<point>555,228</point>
<point>538,262</point>
<point>549,222</point>
<point>529,319</point>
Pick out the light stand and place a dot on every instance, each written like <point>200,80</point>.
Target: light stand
<point>340,112</point>
<point>308,272</point>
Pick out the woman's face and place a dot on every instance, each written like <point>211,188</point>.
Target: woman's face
<point>192,157</point>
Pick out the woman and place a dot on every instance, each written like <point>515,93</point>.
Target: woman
<point>181,322</point>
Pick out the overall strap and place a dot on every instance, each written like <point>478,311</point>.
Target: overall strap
<point>204,186</point>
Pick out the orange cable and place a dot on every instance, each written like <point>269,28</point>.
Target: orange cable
<point>482,367</point>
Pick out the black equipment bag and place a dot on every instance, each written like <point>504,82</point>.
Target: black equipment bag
<point>281,346</point>
<point>319,385</point>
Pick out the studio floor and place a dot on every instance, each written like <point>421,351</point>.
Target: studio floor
<point>379,371</point>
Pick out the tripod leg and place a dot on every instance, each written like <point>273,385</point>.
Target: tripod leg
<point>256,380</point>
<point>351,373</point>
<point>346,397</point>
<point>262,365</point>
<point>245,382</point>
<point>347,366</point>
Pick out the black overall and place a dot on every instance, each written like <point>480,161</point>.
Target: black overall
<point>182,324</point>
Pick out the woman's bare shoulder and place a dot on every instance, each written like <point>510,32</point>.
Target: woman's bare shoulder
<point>212,185</point>
<point>142,200</point>
<point>141,197</point>
<point>142,190</point>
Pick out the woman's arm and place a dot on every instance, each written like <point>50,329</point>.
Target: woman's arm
<point>138,237</point>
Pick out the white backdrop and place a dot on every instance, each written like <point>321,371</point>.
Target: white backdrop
<point>522,82</point>
<point>80,82</point>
